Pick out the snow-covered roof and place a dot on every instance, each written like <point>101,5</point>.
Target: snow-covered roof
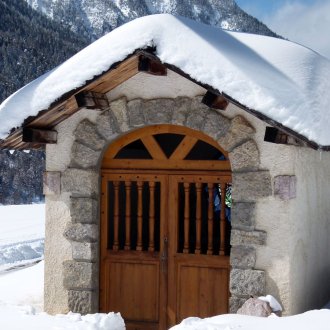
<point>283,81</point>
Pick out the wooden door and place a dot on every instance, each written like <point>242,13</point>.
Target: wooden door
<point>164,230</point>
<point>198,263</point>
<point>133,273</point>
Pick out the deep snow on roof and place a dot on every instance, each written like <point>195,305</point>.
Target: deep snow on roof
<point>280,79</point>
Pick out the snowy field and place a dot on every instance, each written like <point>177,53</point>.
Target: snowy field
<point>21,290</point>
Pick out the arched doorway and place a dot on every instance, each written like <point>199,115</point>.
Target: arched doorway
<point>164,227</point>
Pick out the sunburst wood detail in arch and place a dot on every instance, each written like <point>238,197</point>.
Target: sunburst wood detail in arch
<point>147,148</point>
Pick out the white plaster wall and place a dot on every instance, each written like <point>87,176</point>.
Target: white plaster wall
<point>310,231</point>
<point>57,247</point>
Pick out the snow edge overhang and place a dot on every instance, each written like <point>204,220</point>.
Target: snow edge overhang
<point>36,131</point>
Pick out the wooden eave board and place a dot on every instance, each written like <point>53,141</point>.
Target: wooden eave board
<point>48,119</point>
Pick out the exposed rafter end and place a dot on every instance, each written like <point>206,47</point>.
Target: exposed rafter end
<point>215,101</point>
<point>274,135</point>
<point>40,136</point>
<point>92,100</point>
<point>151,66</point>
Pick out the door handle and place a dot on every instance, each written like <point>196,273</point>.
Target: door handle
<point>164,257</point>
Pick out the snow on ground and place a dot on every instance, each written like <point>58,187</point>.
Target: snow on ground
<point>21,292</point>
<point>278,78</point>
<point>318,320</point>
<point>21,289</point>
<point>22,234</point>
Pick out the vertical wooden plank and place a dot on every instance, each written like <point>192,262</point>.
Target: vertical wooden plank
<point>210,219</point>
<point>223,219</point>
<point>104,240</point>
<point>139,216</point>
<point>116,215</point>
<point>151,216</point>
<point>186,186</point>
<point>128,215</point>
<point>198,217</point>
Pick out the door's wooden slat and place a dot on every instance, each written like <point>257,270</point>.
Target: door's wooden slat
<point>139,216</point>
<point>183,148</point>
<point>198,217</point>
<point>151,216</point>
<point>210,219</point>
<point>223,219</point>
<point>186,186</point>
<point>116,215</point>
<point>153,147</point>
<point>128,215</point>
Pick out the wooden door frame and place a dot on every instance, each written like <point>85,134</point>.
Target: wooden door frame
<point>161,165</point>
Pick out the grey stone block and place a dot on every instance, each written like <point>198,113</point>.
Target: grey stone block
<point>83,302</point>
<point>255,307</point>
<point>285,186</point>
<point>81,232</point>
<point>241,237</point>
<point>159,111</point>
<point>84,210</point>
<point>119,111</point>
<point>239,131</point>
<point>247,282</point>
<point>84,251</point>
<point>86,133</point>
<point>216,125</point>
<point>242,256</point>
<point>251,186</point>
<point>107,125</point>
<point>235,303</point>
<point>80,182</point>
<point>79,275</point>
<point>242,215</point>
<point>135,113</point>
<point>182,105</point>
<point>84,157</point>
<point>195,120</point>
<point>245,157</point>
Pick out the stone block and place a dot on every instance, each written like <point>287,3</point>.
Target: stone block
<point>81,232</point>
<point>241,237</point>
<point>159,111</point>
<point>83,156</point>
<point>285,186</point>
<point>255,307</point>
<point>195,120</point>
<point>235,303</point>
<point>86,133</point>
<point>136,115</point>
<point>83,302</point>
<point>80,182</point>
<point>245,157</point>
<point>242,215</point>
<point>247,282</point>
<point>51,183</point>
<point>83,251</point>
<point>182,105</point>
<point>216,125</point>
<point>119,111</point>
<point>251,186</point>
<point>107,125</point>
<point>79,275</point>
<point>239,131</point>
<point>84,210</point>
<point>242,257</point>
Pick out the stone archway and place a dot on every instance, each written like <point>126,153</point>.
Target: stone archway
<point>81,180</point>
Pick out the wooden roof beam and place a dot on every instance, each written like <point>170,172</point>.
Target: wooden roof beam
<point>92,100</point>
<point>215,101</point>
<point>39,136</point>
<point>151,66</point>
